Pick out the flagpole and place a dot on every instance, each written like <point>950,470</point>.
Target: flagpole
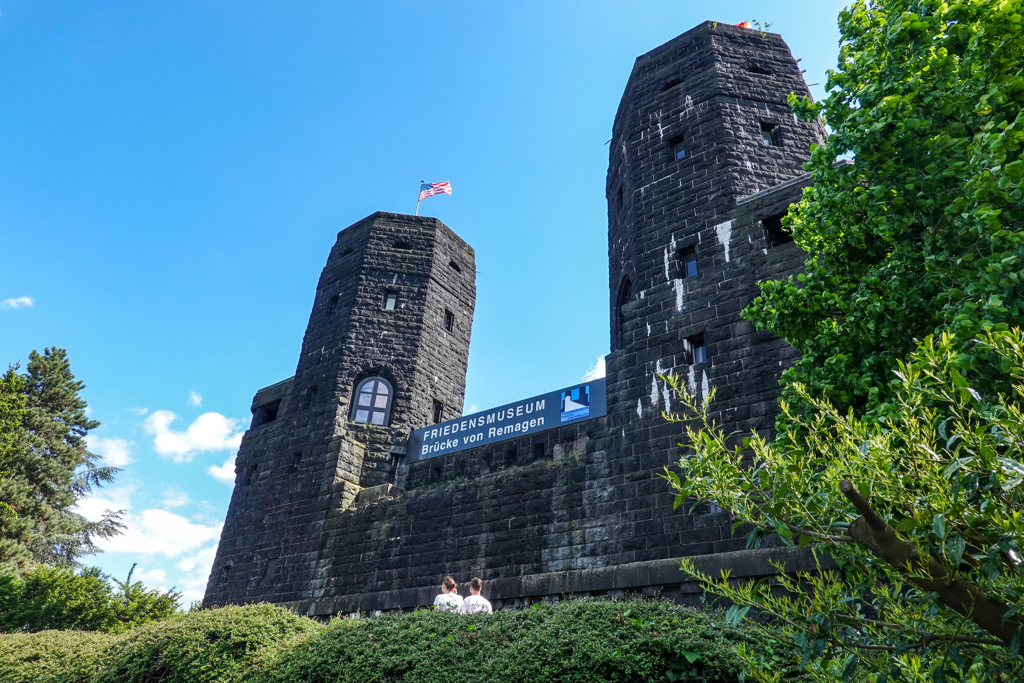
<point>418,200</point>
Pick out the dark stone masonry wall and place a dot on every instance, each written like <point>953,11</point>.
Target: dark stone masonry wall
<point>326,518</point>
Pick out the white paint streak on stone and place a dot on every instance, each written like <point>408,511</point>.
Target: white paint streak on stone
<point>691,381</point>
<point>641,294</point>
<point>704,388</point>
<point>648,329</point>
<point>673,242</point>
<point>667,277</point>
<point>654,391</point>
<point>666,393</point>
<point>639,413</point>
<point>680,289</point>
<point>765,251</point>
<point>724,231</point>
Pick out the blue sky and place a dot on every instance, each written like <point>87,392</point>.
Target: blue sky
<point>172,176</point>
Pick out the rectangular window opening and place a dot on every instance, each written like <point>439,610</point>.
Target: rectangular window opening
<point>225,573</point>
<point>485,463</point>
<point>698,352</point>
<point>510,456</point>
<point>270,569</point>
<point>310,397</point>
<point>435,470</point>
<point>678,148</point>
<point>618,199</point>
<point>449,320</point>
<point>768,134</point>
<point>538,451</point>
<point>293,466</point>
<point>774,230</point>
<point>438,411</point>
<point>688,262</point>
<point>391,301</point>
<point>332,305</point>
<point>250,475</point>
<point>265,413</point>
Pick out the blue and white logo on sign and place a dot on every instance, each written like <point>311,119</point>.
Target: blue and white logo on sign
<point>575,403</point>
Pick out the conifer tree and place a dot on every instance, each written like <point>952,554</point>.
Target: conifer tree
<point>49,469</point>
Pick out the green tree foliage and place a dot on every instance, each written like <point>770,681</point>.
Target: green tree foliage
<point>54,598</point>
<point>133,604</point>
<point>923,233</point>
<point>48,469</point>
<point>922,511</point>
<point>61,597</point>
<point>12,412</point>
<point>572,640</point>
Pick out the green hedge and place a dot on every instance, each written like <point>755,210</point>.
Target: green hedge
<point>572,640</point>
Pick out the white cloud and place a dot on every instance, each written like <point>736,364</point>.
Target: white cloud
<point>195,398</point>
<point>20,302</point>
<point>596,370</point>
<point>116,498</point>
<point>115,452</point>
<point>199,559</point>
<point>160,532</point>
<point>138,411</point>
<point>191,545</point>
<point>150,576</point>
<point>225,473</point>
<point>197,565</point>
<point>174,498</point>
<point>209,432</point>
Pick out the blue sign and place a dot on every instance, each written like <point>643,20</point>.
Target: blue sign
<point>537,414</point>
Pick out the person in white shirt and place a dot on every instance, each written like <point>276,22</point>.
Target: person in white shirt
<point>476,603</point>
<point>449,600</point>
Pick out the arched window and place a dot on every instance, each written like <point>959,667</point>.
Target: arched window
<point>671,84</point>
<point>373,402</point>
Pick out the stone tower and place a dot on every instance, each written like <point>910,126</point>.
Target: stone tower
<point>385,351</point>
<point>703,129</point>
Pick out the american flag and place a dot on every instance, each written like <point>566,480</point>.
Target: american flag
<point>430,189</point>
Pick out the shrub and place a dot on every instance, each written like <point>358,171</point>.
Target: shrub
<point>53,656</point>
<point>46,597</point>
<point>208,645</point>
<point>573,640</point>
